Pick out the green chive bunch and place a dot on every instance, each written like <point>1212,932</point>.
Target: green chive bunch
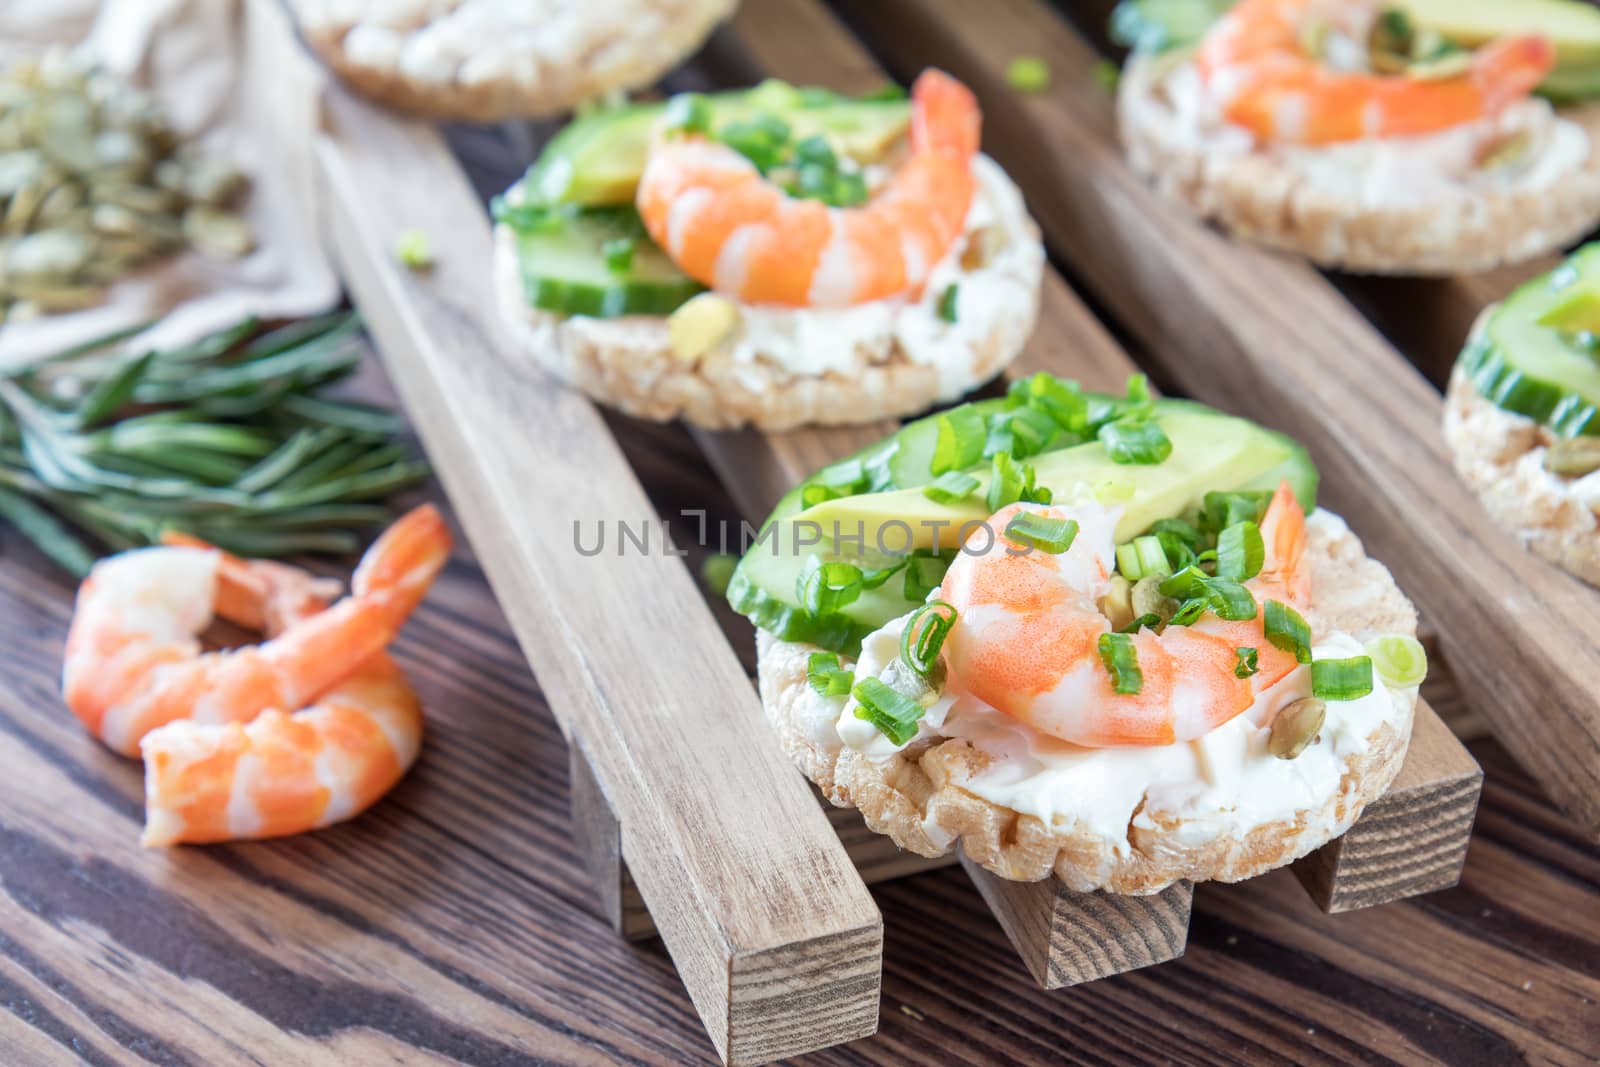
<point>229,439</point>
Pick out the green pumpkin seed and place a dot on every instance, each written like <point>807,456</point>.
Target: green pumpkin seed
<point>1296,726</point>
<point>1573,458</point>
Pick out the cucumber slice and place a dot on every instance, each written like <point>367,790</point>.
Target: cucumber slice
<point>1523,362</point>
<point>1211,452</point>
<point>1158,25</point>
<point>563,268</point>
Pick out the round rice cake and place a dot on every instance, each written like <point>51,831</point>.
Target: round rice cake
<point>1420,205</point>
<point>485,60</point>
<point>938,791</point>
<point>1500,455</point>
<point>780,367</point>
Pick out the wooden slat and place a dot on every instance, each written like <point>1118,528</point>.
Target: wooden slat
<point>1067,938</point>
<point>1263,333</point>
<point>772,931</point>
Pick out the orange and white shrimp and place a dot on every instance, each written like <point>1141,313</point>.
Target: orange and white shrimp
<point>133,660</point>
<point>731,229</point>
<point>1256,60</point>
<point>1026,640</point>
<point>280,773</point>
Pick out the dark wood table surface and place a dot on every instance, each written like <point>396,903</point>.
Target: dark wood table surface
<point>451,922</point>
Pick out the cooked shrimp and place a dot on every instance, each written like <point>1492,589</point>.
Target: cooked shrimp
<point>1273,87</point>
<point>280,773</point>
<point>133,661</point>
<point>728,227</point>
<point>1026,638</point>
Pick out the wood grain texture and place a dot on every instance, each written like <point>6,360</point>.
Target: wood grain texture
<point>1265,335</point>
<point>1067,938</point>
<point>771,929</point>
<point>597,838</point>
<point>1411,840</point>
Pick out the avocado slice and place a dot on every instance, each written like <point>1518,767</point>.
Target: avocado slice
<point>599,158</point>
<point>1572,26</point>
<point>1530,358</point>
<point>1210,452</point>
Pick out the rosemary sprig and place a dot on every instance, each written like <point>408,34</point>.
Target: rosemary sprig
<point>228,438</point>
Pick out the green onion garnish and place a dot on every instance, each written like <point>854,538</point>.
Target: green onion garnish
<point>1141,557</point>
<point>414,250</point>
<point>824,588</point>
<point>1399,660</point>
<point>1139,400</point>
<point>1188,612</point>
<point>1028,74</point>
<point>687,113</point>
<point>1223,509</point>
<point>924,572</point>
<point>947,302</point>
<point>924,635</point>
<point>1187,583</point>
<point>1006,482</point>
<point>1135,439</point>
<point>958,443</point>
<point>893,713</point>
<point>874,578</point>
<point>1063,401</point>
<point>619,254</point>
<point>1287,630</point>
<point>1240,552</point>
<point>1021,431</point>
<point>1122,661</point>
<point>1230,600</point>
<point>826,676</point>
<point>950,487</point>
<point>717,571</point>
<point>1246,662</point>
<point>1341,679</point>
<point>1148,621</point>
<point>1042,532</point>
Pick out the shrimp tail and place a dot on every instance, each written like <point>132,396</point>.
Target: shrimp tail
<point>1509,69</point>
<point>402,563</point>
<point>945,118</point>
<point>1283,534</point>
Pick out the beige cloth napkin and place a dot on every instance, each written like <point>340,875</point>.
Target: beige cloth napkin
<point>230,74</point>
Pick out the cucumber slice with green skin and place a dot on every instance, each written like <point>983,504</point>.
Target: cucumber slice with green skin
<point>1522,364</point>
<point>1159,25</point>
<point>599,158</point>
<point>1211,452</point>
<point>563,269</point>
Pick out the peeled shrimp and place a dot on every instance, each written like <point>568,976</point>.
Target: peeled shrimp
<point>133,661</point>
<point>1273,87</point>
<point>729,228</point>
<point>279,773</point>
<point>1026,637</point>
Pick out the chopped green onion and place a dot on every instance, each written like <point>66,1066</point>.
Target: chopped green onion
<point>1187,583</point>
<point>1189,612</point>
<point>1122,662</point>
<point>1245,664</point>
<point>1107,75</point>
<point>924,634</point>
<point>924,572</point>
<point>1028,74</point>
<point>812,495</point>
<point>1007,481</point>
<point>1022,431</point>
<point>1240,552</point>
<point>886,91</point>
<point>1223,509</point>
<point>1135,439</point>
<point>717,571</point>
<point>687,113</point>
<point>874,578</point>
<point>1287,630</point>
<point>950,487</point>
<point>824,588</point>
<point>1178,529</point>
<point>947,302</point>
<point>414,250</point>
<point>826,676</point>
<point>1399,659</point>
<point>1047,534</point>
<point>619,254</point>
<point>1141,557</point>
<point>893,713</point>
<point>848,476</point>
<point>1139,401</point>
<point>1063,401</point>
<point>959,439</point>
<point>1147,621</point>
<point>815,149</point>
<point>1341,679</point>
<point>1230,600</point>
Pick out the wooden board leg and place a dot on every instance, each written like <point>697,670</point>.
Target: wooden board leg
<point>1066,938</point>
<point>597,835</point>
<point>1411,840</point>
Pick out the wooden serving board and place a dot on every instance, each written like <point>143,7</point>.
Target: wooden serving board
<point>1266,335</point>
<point>487,415</point>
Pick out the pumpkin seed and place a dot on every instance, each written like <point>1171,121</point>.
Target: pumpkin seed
<point>94,183</point>
<point>1296,726</point>
<point>1574,457</point>
<point>1117,604</point>
<point>1148,599</point>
